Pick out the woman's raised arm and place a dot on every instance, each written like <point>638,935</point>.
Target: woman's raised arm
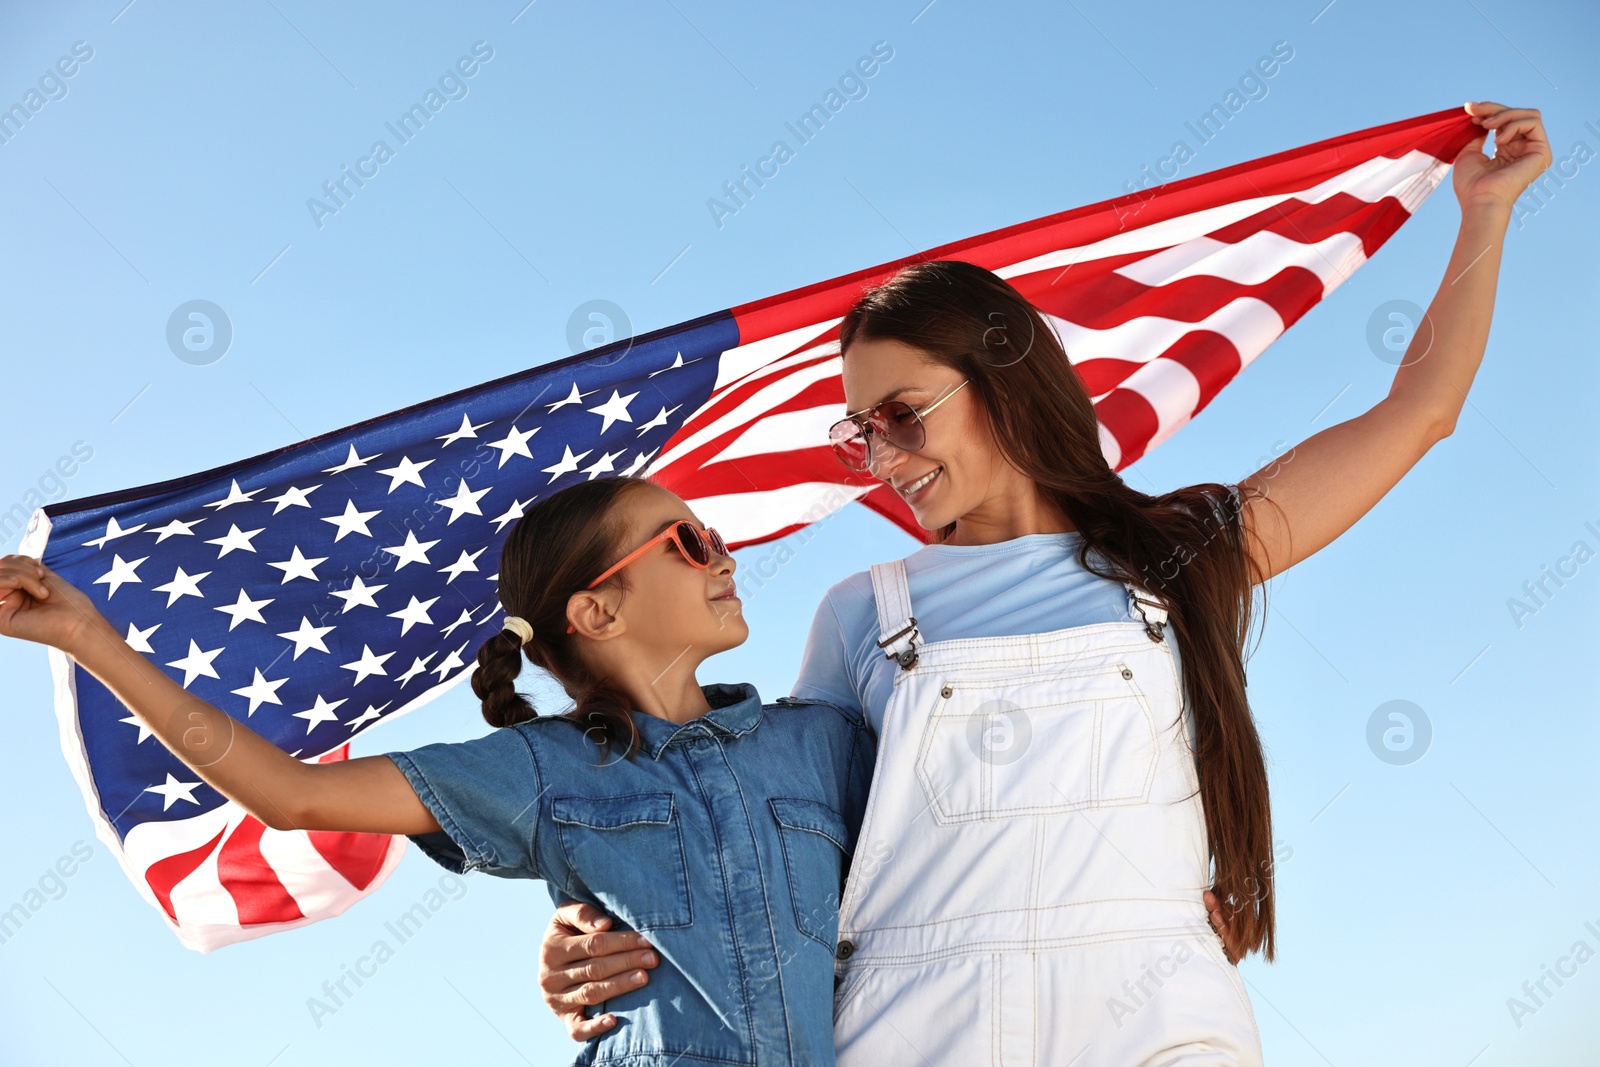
<point>1326,483</point>
<point>369,794</point>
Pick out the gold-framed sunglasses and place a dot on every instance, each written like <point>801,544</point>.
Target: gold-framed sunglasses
<point>696,548</point>
<point>897,422</point>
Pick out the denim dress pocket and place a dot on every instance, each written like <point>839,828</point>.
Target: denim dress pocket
<point>629,851</point>
<point>815,847</point>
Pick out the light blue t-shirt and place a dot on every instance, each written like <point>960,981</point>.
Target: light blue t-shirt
<point>1029,584</point>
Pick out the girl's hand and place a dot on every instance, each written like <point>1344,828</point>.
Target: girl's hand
<point>37,604</point>
<point>1521,153</point>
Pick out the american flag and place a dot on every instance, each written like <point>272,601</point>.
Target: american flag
<point>319,590</point>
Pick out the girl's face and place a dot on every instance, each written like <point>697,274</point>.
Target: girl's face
<point>671,607</point>
<point>960,454</point>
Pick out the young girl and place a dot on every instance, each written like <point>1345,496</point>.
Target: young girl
<point>719,826</point>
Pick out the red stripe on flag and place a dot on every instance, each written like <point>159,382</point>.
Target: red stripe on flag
<point>1310,223</point>
<point>164,875</point>
<point>1130,419</point>
<point>1210,357</point>
<point>358,857</point>
<point>888,503</point>
<point>247,876</point>
<point>1441,134</point>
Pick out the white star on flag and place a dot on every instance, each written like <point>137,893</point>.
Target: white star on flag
<point>260,691</point>
<point>368,665</point>
<point>514,443</point>
<point>352,521</point>
<point>321,712</point>
<point>174,790</point>
<point>197,663</point>
<point>614,409</point>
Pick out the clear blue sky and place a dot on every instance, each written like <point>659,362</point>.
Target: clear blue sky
<point>1414,898</point>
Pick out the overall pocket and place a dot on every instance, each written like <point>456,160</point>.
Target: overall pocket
<point>944,1011</point>
<point>815,847</point>
<point>1051,742</point>
<point>629,851</point>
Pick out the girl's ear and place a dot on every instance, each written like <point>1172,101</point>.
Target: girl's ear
<point>589,613</point>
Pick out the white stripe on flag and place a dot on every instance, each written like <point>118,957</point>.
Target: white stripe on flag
<point>743,516</point>
<point>784,431</point>
<point>753,407</point>
<point>758,354</point>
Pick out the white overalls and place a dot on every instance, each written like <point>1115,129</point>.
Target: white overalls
<point>1027,884</point>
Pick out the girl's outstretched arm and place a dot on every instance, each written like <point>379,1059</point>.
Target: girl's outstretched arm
<point>1327,482</point>
<point>367,794</point>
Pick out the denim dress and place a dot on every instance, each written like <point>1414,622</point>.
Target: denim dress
<point>726,840</point>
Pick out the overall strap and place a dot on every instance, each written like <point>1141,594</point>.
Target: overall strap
<point>1144,607</point>
<point>897,627</point>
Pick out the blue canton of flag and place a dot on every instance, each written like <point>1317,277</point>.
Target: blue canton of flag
<point>323,588</point>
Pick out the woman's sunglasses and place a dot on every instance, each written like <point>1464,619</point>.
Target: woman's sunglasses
<point>897,422</point>
<point>695,547</point>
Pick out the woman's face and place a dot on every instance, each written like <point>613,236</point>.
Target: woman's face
<point>960,454</point>
<point>670,606</point>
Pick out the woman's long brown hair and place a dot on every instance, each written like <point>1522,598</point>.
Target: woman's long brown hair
<point>554,550</point>
<point>1186,547</point>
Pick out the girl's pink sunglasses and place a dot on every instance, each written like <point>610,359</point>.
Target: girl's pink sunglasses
<point>695,547</point>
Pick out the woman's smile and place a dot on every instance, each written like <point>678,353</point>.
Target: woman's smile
<point>915,490</point>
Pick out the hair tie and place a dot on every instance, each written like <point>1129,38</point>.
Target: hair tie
<point>519,627</point>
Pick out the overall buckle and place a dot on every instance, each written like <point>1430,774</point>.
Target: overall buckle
<point>907,658</point>
<point>1152,628</point>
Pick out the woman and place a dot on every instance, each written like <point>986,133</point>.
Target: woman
<point>1028,900</point>
<point>702,819</point>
